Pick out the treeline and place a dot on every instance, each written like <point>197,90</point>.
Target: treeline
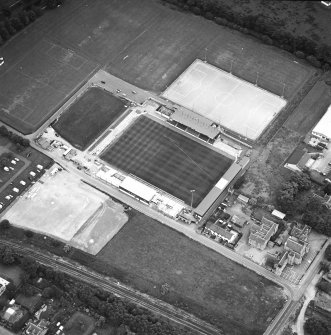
<point>116,311</point>
<point>14,19</point>
<point>291,200</point>
<point>18,140</point>
<point>318,55</point>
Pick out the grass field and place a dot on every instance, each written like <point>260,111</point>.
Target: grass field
<point>149,254</point>
<point>57,52</point>
<point>167,159</point>
<point>79,324</point>
<point>225,99</point>
<point>88,117</point>
<point>311,109</point>
<point>32,88</point>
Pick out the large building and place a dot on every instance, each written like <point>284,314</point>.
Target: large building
<point>220,190</point>
<point>323,128</point>
<point>261,234</point>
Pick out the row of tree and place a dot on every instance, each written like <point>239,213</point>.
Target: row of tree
<point>319,55</point>
<point>111,308</point>
<point>16,139</point>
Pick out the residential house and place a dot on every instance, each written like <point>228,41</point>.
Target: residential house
<point>39,328</point>
<point>220,232</point>
<point>300,231</point>
<point>261,234</point>
<point>297,249</point>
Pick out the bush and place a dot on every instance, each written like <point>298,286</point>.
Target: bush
<point>313,61</point>
<point>300,54</point>
<point>4,225</point>
<point>28,233</point>
<point>328,253</point>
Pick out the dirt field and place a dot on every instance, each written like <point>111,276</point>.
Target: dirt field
<point>100,228</point>
<point>88,117</point>
<point>235,104</point>
<point>62,48</point>
<point>54,210</point>
<point>167,159</point>
<point>211,286</point>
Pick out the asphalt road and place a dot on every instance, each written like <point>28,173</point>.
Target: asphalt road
<point>159,307</point>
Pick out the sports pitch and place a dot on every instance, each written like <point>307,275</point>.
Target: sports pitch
<point>225,99</point>
<point>88,117</point>
<point>167,159</point>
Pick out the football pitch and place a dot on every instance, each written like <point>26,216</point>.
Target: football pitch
<point>167,159</point>
<point>88,117</point>
<point>225,99</point>
<point>32,89</point>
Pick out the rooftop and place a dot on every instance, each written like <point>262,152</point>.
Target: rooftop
<point>195,121</point>
<point>138,188</point>
<point>294,245</point>
<point>265,230</point>
<point>324,125</point>
<point>219,230</point>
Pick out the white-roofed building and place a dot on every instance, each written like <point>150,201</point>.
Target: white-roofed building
<point>323,128</point>
<point>278,214</point>
<point>3,284</point>
<point>137,189</point>
<point>106,175</point>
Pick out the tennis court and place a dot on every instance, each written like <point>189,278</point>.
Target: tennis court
<point>225,99</point>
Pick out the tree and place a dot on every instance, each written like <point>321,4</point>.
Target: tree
<point>28,233</point>
<point>240,181</point>
<point>16,23</point>
<point>327,189</point>
<point>4,225</point>
<point>328,253</point>
<point>316,327</point>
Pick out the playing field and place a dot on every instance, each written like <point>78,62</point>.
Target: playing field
<point>225,99</point>
<point>88,117</point>
<point>31,90</point>
<point>55,54</point>
<point>58,206</point>
<point>167,159</point>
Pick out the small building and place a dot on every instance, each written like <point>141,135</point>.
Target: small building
<point>244,200</point>
<point>300,231</point>
<point>322,130</point>
<point>216,230</point>
<point>39,328</point>
<point>260,237</point>
<point>280,266</point>
<point>54,170</point>
<point>69,155</point>
<point>278,214</point>
<point>44,143</point>
<point>297,249</point>
<point>3,284</point>
<point>39,167</point>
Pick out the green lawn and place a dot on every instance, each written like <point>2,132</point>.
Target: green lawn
<point>147,254</point>
<point>89,116</point>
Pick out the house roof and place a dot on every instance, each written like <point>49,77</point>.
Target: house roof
<point>294,245</point>
<point>304,160</point>
<point>219,230</point>
<point>265,231</point>
<point>278,214</point>
<point>324,125</point>
<point>243,198</point>
<point>195,121</point>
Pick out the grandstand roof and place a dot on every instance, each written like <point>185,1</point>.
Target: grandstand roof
<point>324,125</point>
<point>217,190</point>
<point>195,121</point>
<point>138,188</point>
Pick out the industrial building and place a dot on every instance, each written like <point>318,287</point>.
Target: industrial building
<point>323,128</point>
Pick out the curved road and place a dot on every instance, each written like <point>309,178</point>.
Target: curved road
<point>159,307</point>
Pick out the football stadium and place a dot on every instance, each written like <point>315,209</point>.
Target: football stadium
<point>159,155</point>
<point>226,100</point>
